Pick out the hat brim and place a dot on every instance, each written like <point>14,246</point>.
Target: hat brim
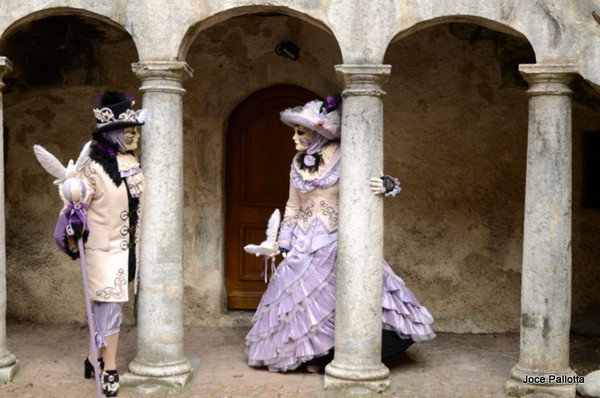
<point>293,119</point>
<point>116,126</point>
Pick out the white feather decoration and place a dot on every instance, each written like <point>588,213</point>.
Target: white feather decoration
<point>49,162</point>
<point>53,166</point>
<point>268,247</point>
<point>83,156</point>
<point>273,226</point>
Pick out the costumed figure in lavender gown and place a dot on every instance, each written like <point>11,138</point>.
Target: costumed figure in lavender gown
<point>294,322</point>
<point>102,194</point>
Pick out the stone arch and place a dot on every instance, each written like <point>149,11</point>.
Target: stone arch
<point>449,90</point>
<point>550,37</point>
<point>232,58</point>
<point>410,27</point>
<point>67,39</point>
<point>48,100</point>
<point>508,50</point>
<point>273,72</point>
<point>30,15</point>
<point>263,10</point>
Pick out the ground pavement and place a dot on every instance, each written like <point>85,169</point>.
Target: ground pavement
<point>462,366</point>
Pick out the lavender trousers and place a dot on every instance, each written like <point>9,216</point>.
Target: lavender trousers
<point>108,318</point>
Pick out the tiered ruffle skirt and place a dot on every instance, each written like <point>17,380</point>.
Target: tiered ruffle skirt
<point>294,321</point>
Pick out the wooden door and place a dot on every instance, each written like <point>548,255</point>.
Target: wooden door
<point>259,151</point>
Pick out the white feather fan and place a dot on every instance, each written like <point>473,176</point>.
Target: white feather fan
<point>268,247</point>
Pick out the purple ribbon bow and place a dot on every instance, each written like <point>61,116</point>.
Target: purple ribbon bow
<point>76,214</point>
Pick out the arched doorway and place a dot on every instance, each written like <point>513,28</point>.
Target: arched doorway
<point>259,150</point>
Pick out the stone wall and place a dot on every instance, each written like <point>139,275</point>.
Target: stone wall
<point>456,134</point>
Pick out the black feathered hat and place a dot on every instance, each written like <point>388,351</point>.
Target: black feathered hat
<point>115,112</point>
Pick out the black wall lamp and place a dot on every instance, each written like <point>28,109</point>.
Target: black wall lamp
<point>288,50</point>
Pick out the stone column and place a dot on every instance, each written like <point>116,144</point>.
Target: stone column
<point>357,367</point>
<point>8,362</point>
<point>160,358</point>
<point>546,278</point>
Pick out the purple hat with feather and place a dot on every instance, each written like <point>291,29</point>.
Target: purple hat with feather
<point>116,112</point>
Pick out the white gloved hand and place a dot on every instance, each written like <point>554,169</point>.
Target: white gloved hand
<point>266,248</point>
<point>385,185</point>
<point>376,184</point>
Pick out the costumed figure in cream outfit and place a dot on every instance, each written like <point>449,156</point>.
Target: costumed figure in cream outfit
<point>102,194</point>
<point>294,322</point>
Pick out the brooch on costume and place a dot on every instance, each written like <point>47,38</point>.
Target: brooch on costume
<point>310,162</point>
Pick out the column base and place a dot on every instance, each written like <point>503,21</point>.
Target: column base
<point>8,372</point>
<point>560,384</point>
<point>173,375</point>
<point>355,381</point>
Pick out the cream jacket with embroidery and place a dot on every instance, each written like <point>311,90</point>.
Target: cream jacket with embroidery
<point>303,208</point>
<point>107,246</point>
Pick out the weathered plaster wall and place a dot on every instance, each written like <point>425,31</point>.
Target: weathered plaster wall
<point>455,134</point>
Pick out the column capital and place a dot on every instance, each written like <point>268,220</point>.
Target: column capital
<point>5,67</point>
<point>363,79</point>
<point>163,76</point>
<point>548,79</point>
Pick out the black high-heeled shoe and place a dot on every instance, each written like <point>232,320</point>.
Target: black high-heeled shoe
<point>88,368</point>
<point>110,383</point>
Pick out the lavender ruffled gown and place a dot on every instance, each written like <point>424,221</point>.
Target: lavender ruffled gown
<point>294,322</point>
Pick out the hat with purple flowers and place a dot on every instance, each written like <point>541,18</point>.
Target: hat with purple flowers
<point>319,116</point>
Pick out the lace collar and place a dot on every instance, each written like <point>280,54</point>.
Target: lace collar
<point>326,175</point>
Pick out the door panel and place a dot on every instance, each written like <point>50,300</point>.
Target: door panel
<point>259,150</point>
